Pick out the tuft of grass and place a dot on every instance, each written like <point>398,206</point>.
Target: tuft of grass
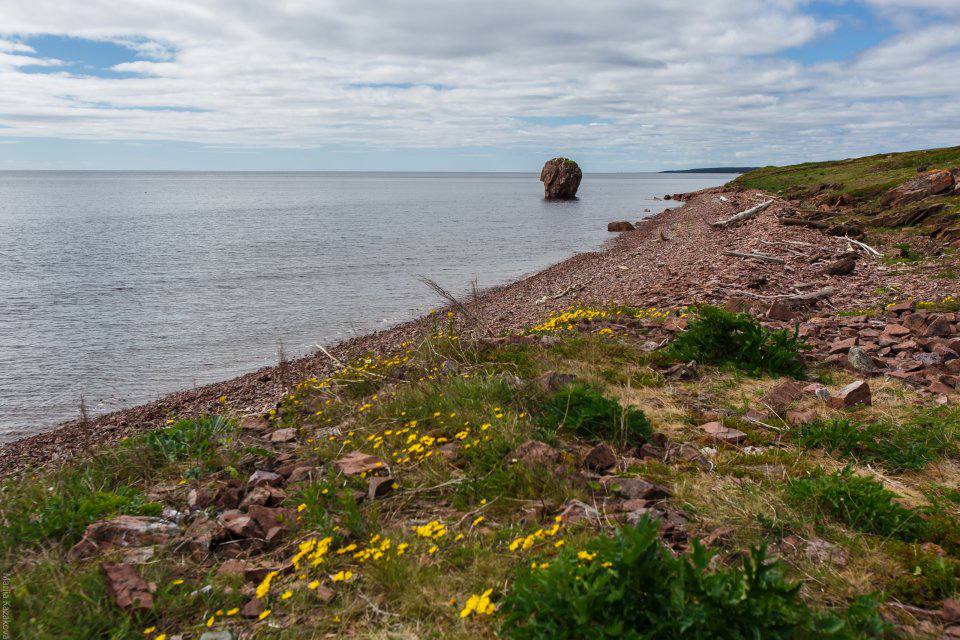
<point>631,586</point>
<point>720,337</point>
<point>923,437</point>
<point>861,503</point>
<point>189,439</point>
<point>584,410</point>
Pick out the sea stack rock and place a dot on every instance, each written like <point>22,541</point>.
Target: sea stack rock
<point>561,179</point>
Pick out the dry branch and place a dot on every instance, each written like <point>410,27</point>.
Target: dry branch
<point>743,215</point>
<point>801,222</point>
<point>762,257</point>
<point>862,245</point>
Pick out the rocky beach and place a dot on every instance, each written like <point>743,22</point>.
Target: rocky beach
<point>760,345</point>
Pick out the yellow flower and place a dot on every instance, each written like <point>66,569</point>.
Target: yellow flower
<point>264,587</point>
<point>177,581</point>
<point>263,615</point>
<point>313,585</point>
<point>342,576</point>
<point>301,507</point>
<point>477,521</point>
<point>210,621</point>
<point>286,595</point>
<point>586,555</point>
<point>478,605</point>
<point>149,630</point>
<point>234,611</point>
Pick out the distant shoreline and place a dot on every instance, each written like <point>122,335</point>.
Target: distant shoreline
<point>713,170</point>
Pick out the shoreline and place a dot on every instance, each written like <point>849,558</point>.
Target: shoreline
<point>670,260</point>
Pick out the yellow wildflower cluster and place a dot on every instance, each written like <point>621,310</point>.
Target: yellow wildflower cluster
<point>479,605</point>
<point>526,542</point>
<point>568,319</point>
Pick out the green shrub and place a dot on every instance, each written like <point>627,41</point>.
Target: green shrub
<point>924,578</point>
<point>633,587</point>
<point>862,503</point>
<point>193,438</point>
<point>582,409</point>
<point>898,447</point>
<point>719,337</point>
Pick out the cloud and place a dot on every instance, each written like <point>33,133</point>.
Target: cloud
<point>670,82</point>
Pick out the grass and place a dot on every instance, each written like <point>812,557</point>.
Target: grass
<point>445,415</point>
<point>909,444</point>
<point>859,502</point>
<point>867,177</point>
<point>717,336</point>
<point>631,586</point>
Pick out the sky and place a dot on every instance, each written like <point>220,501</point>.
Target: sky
<point>445,85</point>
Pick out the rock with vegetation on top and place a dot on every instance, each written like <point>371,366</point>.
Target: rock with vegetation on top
<point>621,225</point>
<point>926,184</point>
<point>561,179</point>
<point>124,531</point>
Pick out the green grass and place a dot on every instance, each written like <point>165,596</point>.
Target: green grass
<point>717,336</point>
<point>861,503</point>
<point>631,586</point>
<point>908,445</point>
<point>581,409</point>
<point>865,177</point>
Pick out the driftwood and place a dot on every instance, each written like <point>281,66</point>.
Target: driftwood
<point>862,245</point>
<point>801,222</point>
<point>762,257</point>
<point>743,215</point>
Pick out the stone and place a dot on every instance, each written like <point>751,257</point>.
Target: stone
<point>941,388</point>
<point>356,462</point>
<point>201,535</point>
<point>561,178</point>
<point>239,524</point>
<point>269,517</point>
<point>842,346</point>
<point>619,226</point>
<point>817,390</point>
<point>720,433</point>
<point>682,372</point>
<point>260,477</point>
<point>853,394</point>
<point>216,635</point>
<point>635,488</point>
<point>600,458</point>
<point>820,551</point>
<point>125,587</point>
<point>908,306</point>
<point>380,487</point>
<point>781,311</point>
<point>896,330</point>
<point>303,473</point>
<point>782,395</point>
<point>861,360</point>
<point>200,498</point>
<point>254,423</point>
<point>795,418</point>
<point>553,381</point>
<point>256,496</point>
<point>924,185</point>
<point>938,328</point>
<point>574,511</point>
<point>139,555</point>
<point>124,531</point>
<point>283,435</point>
<point>253,608</point>
<point>950,610</point>
<point>841,267</point>
<point>536,455</point>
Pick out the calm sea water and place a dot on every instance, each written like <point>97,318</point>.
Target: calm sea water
<point>123,286</point>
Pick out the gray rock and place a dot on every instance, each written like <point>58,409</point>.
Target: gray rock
<point>861,360</point>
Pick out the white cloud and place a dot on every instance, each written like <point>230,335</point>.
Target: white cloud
<point>667,80</point>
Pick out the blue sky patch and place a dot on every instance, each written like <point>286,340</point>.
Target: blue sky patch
<point>80,56</point>
<point>398,85</point>
<point>558,121</point>
<point>858,28</point>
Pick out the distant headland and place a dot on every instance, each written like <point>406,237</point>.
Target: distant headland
<point>713,170</point>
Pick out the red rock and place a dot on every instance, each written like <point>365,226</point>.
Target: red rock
<point>721,433</point>
<point>356,462</point>
<point>619,226</point>
<point>781,311</point>
<point>755,416</point>
<point>903,307</point>
<point>939,327</point>
<point>561,179</point>
<point>950,610</point>
<point>600,458</point>
<point>536,455</point>
<point>380,487</point>
<point>200,498</point>
<point>127,589</point>
<point>906,345</point>
<point>283,435</point>
<point>252,609</point>
<point>635,488</point>
<point>926,184</point>
<point>254,423</point>
<point>801,417</point>
<point>260,477</point>
<point>941,388</point>
<point>124,531</point>
<point>853,394</point>
<point>240,525</point>
<point>782,396</point>
<point>896,330</point>
<point>842,346</point>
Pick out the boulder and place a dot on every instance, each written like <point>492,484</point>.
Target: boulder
<point>356,462</point>
<point>841,267</point>
<point>380,487</point>
<point>600,458</point>
<point>283,435</point>
<point>260,477</point>
<point>861,360</point>
<point>561,179</point>
<point>926,184</point>
<point>536,455</point>
<point>127,589</point>
<point>783,395</point>
<point>635,488</point>
<point>853,394</point>
<point>720,433</point>
<point>124,531</point>
<point>619,226</point>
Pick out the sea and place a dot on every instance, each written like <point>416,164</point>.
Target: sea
<point>119,287</point>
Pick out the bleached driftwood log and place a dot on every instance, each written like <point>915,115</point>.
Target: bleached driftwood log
<point>743,215</point>
<point>754,256</point>
<point>862,245</point>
